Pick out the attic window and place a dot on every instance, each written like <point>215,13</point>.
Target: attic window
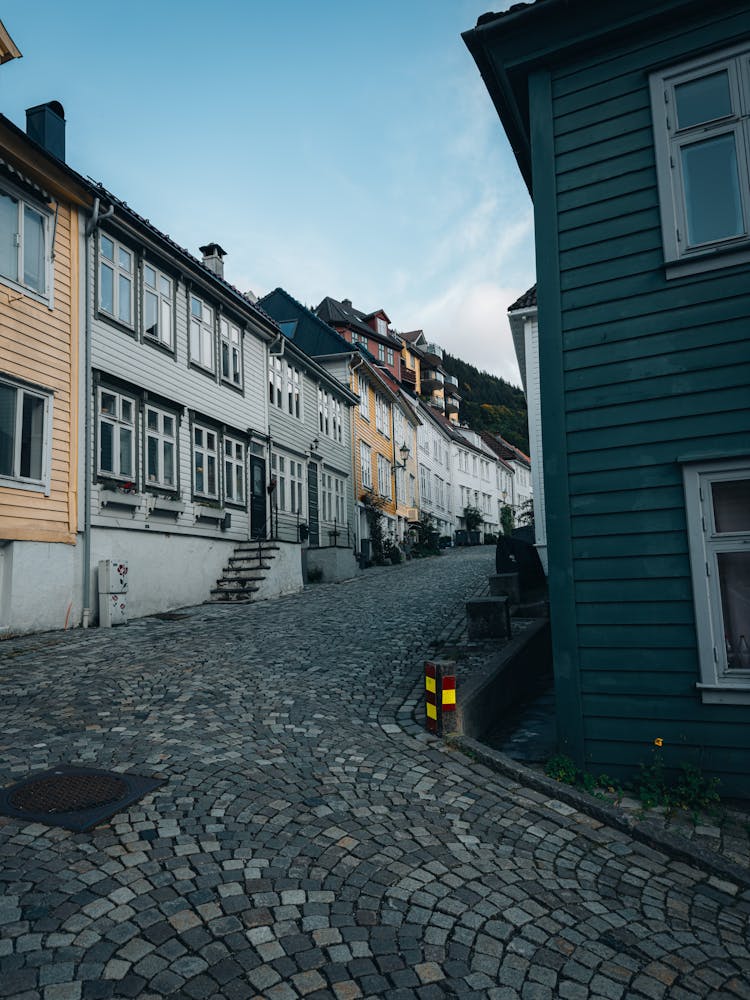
<point>382,327</point>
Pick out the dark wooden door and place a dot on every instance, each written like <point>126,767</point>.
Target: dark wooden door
<point>257,497</point>
<point>312,504</point>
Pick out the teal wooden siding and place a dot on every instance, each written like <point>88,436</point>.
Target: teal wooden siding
<point>651,370</point>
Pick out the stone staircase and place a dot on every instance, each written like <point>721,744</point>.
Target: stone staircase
<point>247,567</point>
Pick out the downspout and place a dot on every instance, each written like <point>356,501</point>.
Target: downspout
<point>91,227</point>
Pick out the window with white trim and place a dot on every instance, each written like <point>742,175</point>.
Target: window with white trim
<point>293,391</point>
<point>205,462</point>
<point>381,352</point>
<point>25,252</point>
<point>160,428</point>
<point>231,351</point>
<point>275,380</point>
<point>116,432</point>
<point>385,488</point>
<point>25,431</point>
<point>701,115</point>
<point>382,414</point>
<point>365,465</point>
<point>382,326</point>
<point>201,333</point>
<point>439,495</point>
<point>717,500</point>
<point>412,490</point>
<point>334,498</point>
<point>425,491</point>
<point>289,476</point>
<point>116,265</point>
<point>158,309</point>
<point>234,471</point>
<point>364,398</point>
<point>389,355</point>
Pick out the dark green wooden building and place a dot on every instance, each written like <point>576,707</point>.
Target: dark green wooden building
<point>630,122</point>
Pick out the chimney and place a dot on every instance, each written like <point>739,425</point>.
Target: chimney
<point>213,258</point>
<point>346,303</point>
<point>45,124</point>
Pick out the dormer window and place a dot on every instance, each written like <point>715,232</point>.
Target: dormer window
<point>382,327</point>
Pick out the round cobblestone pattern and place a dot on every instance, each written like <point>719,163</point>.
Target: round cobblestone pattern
<point>311,841</point>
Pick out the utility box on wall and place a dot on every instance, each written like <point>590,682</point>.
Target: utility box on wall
<point>113,590</point>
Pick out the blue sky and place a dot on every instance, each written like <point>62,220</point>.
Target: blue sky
<point>331,147</point>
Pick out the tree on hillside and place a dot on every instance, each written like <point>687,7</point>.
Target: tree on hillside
<point>490,403</point>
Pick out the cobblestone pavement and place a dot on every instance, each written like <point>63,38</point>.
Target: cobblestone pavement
<point>306,843</point>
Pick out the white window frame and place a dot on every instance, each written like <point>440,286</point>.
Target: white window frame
<point>385,485</point>
<point>381,353</point>
<point>680,257</point>
<point>160,434</point>
<point>15,480</point>
<point>45,294</point>
<point>120,274</point>
<point>390,356</point>
<point>382,409</point>
<point>234,471</point>
<point>293,379</point>
<point>382,326</point>
<point>275,380</point>
<point>118,421</point>
<point>425,485</point>
<point>289,495</point>
<point>230,338</point>
<point>718,684</point>
<point>364,398</point>
<point>209,451</point>
<point>365,465</point>
<point>202,334</point>
<point>164,306</point>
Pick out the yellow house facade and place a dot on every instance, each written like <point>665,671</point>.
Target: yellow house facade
<point>40,201</point>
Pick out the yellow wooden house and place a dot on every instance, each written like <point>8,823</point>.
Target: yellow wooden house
<point>40,203</point>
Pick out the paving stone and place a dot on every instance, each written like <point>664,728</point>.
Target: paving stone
<point>311,839</point>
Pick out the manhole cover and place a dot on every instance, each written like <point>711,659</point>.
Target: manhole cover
<point>62,793</point>
<point>76,798</point>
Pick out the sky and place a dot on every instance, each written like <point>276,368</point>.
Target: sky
<point>331,147</point>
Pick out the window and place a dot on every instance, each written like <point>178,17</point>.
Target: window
<point>389,355</point>
<point>381,351</point>
<point>382,326</point>
<point>115,280</point>
<point>357,338</point>
<point>161,448</point>
<point>231,352</point>
<point>116,426</point>
<point>234,471</point>
<point>439,496</point>
<point>292,390</point>
<point>702,132</point>
<point>25,426</point>
<point>275,378</point>
<point>334,498</point>
<point>425,491</point>
<point>384,477</point>
<point>205,478</point>
<point>365,464</point>
<point>157,306</point>
<point>382,412</point>
<point>289,475</point>
<point>717,498</point>
<point>201,333</point>
<point>338,421</point>
<point>412,490</point>
<point>24,251</point>
<point>364,398</point>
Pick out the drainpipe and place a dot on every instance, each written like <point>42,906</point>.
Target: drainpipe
<point>91,227</point>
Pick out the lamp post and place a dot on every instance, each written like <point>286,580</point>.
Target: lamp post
<point>404,451</point>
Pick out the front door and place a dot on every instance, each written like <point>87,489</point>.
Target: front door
<point>312,504</point>
<point>257,497</point>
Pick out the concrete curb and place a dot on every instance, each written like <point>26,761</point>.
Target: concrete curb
<point>647,833</point>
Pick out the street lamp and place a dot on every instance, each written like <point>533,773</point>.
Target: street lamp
<point>404,451</point>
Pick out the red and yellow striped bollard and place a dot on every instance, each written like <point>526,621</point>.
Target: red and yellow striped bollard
<point>440,695</point>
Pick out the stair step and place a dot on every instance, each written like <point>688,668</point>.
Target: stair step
<point>252,560</point>
<point>237,574</point>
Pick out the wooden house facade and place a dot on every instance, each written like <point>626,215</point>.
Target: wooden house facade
<point>630,123</point>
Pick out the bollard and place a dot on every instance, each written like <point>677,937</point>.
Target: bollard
<point>440,696</point>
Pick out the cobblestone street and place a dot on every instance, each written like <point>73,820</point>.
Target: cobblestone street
<point>310,840</point>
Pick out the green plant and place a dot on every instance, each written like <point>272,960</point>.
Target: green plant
<point>526,512</point>
<point>694,791</point>
<point>392,550</point>
<point>562,769</point>
<point>507,522</point>
<point>490,539</point>
<point>473,518</point>
<point>373,504</point>
<point>690,790</point>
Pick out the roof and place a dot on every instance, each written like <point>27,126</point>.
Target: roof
<point>509,451</point>
<point>343,313</point>
<point>8,48</point>
<point>497,448</point>
<point>311,333</point>
<point>508,47</point>
<point>526,301</point>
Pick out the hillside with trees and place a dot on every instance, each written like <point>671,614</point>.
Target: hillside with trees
<point>489,403</point>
